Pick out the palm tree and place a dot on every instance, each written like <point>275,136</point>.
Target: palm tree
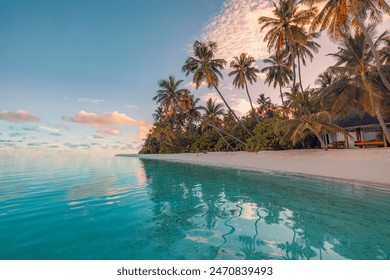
<point>304,51</point>
<point>307,117</point>
<point>266,108</point>
<point>243,73</point>
<point>213,112</point>
<point>170,96</point>
<point>159,114</point>
<point>206,68</point>
<point>337,16</point>
<point>278,72</point>
<point>192,108</point>
<point>357,85</point>
<point>325,79</point>
<point>212,115</point>
<point>287,28</point>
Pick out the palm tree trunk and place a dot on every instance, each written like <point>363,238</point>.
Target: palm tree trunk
<point>299,71</point>
<point>293,61</point>
<point>234,114</point>
<point>217,128</point>
<point>382,122</point>
<point>323,145</point>
<point>226,142</point>
<point>250,101</point>
<point>281,94</point>
<point>378,63</point>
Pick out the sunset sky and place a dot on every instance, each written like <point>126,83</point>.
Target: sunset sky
<point>82,74</point>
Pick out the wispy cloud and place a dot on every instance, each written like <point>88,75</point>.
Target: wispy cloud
<point>18,116</point>
<point>90,101</point>
<point>99,137</point>
<point>132,107</point>
<point>50,129</point>
<point>236,28</point>
<point>109,131</point>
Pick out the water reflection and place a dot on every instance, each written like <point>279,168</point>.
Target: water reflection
<point>230,214</point>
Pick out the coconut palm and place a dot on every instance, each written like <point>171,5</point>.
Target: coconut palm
<point>278,72</point>
<point>212,114</point>
<point>159,114</point>
<point>358,86</point>
<point>338,16</point>
<point>244,72</point>
<point>266,108</point>
<point>192,108</point>
<point>325,79</point>
<point>305,51</point>
<point>170,96</point>
<point>287,28</point>
<point>206,68</point>
<point>307,116</point>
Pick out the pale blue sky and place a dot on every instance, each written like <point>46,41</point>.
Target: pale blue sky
<point>82,73</point>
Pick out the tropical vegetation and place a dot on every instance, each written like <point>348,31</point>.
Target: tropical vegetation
<point>357,82</point>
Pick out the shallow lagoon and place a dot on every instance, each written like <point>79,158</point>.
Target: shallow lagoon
<point>89,206</point>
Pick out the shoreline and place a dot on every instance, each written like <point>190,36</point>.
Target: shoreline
<point>368,167</point>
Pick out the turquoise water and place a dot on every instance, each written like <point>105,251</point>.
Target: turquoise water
<point>87,206</point>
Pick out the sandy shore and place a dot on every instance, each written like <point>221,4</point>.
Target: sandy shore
<point>368,166</point>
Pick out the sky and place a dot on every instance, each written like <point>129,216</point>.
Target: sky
<point>81,74</point>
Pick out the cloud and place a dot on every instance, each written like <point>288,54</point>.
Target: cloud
<point>143,129</point>
<point>90,101</point>
<point>15,134</point>
<point>98,137</point>
<point>193,86</point>
<point>55,134</point>
<point>109,131</point>
<point>18,116</point>
<point>236,29</point>
<point>30,128</point>
<point>62,126</point>
<point>211,95</point>
<point>36,144</point>
<point>103,119</point>
<point>128,147</point>
<point>240,105</point>
<point>84,146</point>
<point>50,129</point>
<point>132,107</point>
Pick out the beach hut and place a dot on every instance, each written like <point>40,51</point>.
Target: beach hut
<point>365,132</point>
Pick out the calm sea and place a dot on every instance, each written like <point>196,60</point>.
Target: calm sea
<point>69,205</point>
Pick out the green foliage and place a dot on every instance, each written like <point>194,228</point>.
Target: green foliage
<point>267,136</point>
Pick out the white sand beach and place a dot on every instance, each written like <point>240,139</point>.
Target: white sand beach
<point>369,166</point>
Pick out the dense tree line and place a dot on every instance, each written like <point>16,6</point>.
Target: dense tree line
<point>357,82</point>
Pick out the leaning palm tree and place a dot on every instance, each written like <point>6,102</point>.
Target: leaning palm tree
<point>307,117</point>
<point>206,68</point>
<point>278,72</point>
<point>244,72</point>
<point>357,86</point>
<point>338,16</point>
<point>287,28</point>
